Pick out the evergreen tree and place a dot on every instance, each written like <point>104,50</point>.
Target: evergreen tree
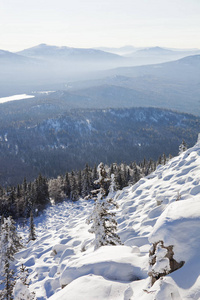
<point>159,162</point>
<point>86,181</point>
<point>21,288</point>
<point>9,244</point>
<point>164,159</point>
<point>182,147</point>
<point>74,188</point>
<point>41,192</point>
<point>79,183</point>
<point>56,189</point>
<point>24,186</point>
<point>136,173</point>
<point>7,282</point>
<point>10,241</point>
<point>119,179</point>
<point>67,188</point>
<point>32,234</point>
<point>104,225</point>
<point>94,173</point>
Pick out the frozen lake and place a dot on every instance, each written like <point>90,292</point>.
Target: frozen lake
<point>15,97</point>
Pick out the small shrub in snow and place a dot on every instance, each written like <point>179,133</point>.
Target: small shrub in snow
<point>178,196</point>
<point>159,202</point>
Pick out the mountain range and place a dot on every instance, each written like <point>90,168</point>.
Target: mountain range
<point>106,79</point>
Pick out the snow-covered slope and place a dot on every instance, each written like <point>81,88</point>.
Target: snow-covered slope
<point>164,206</point>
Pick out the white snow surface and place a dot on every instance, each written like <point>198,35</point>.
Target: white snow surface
<point>63,263</point>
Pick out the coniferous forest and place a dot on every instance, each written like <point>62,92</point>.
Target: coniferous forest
<point>19,201</point>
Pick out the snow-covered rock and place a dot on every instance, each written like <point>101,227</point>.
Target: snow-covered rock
<point>119,263</point>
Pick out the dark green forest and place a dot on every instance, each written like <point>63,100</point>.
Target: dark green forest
<point>33,142</point>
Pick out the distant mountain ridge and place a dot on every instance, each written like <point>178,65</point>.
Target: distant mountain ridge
<point>93,77</point>
<point>46,51</point>
<point>12,58</point>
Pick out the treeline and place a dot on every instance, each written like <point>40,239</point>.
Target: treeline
<point>34,196</point>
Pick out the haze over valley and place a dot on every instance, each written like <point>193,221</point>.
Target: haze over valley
<point>99,150</point>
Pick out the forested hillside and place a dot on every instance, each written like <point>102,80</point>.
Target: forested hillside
<point>53,145</point>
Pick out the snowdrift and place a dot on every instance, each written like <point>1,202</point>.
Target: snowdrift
<point>120,263</point>
<point>164,206</point>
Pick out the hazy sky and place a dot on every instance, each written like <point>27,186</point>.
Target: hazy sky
<point>92,23</point>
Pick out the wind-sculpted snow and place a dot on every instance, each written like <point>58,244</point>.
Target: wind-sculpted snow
<point>120,263</point>
<point>163,208</point>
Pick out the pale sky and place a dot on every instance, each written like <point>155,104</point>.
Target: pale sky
<point>94,23</point>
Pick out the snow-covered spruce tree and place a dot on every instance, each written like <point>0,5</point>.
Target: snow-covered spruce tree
<point>56,189</point>
<point>10,241</point>
<point>9,244</point>
<point>7,282</point>
<point>86,181</point>
<point>32,234</point>
<point>21,288</point>
<point>41,193</point>
<point>74,188</point>
<point>182,147</point>
<point>104,225</point>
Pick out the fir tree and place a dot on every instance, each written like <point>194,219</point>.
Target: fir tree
<point>21,288</point>
<point>67,188</point>
<point>94,173</point>
<point>104,225</point>
<point>32,234</point>
<point>10,241</point>
<point>136,173</point>
<point>79,182</point>
<point>182,147</point>
<point>41,192</point>
<point>74,188</point>
<point>56,189</point>
<point>9,244</point>
<point>86,181</point>
<point>7,282</point>
<point>164,159</point>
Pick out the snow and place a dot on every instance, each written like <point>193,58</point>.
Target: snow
<point>179,226</point>
<point>45,92</point>
<point>15,97</point>
<point>164,206</point>
<point>119,264</point>
<point>92,287</point>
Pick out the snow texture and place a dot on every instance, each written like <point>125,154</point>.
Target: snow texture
<point>149,212</point>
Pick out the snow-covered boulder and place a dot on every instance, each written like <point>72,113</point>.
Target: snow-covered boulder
<point>179,226</point>
<point>175,238</point>
<point>119,263</point>
<point>58,249</point>
<point>92,287</point>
